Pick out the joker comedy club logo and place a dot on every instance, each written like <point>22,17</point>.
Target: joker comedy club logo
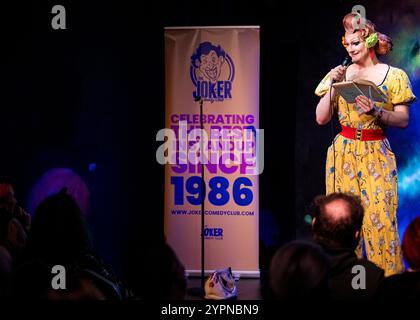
<point>212,72</point>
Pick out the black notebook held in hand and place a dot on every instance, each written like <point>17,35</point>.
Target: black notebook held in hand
<point>349,90</point>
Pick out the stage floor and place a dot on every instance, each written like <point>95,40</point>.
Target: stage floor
<point>248,289</point>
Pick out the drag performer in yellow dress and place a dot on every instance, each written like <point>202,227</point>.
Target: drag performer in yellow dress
<point>360,160</point>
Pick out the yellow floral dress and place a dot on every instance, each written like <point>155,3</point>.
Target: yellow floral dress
<point>368,169</point>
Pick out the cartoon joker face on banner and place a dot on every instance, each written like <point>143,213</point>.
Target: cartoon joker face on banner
<point>208,61</point>
<point>211,72</point>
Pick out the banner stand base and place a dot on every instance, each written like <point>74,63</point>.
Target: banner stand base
<point>237,274</point>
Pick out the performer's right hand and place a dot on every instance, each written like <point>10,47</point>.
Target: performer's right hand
<point>337,74</point>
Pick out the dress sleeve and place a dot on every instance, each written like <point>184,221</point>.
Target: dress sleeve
<point>401,91</point>
<point>323,86</point>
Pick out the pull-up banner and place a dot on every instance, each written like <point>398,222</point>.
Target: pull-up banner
<point>218,67</point>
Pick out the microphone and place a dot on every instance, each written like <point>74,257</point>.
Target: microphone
<point>197,98</point>
<point>346,62</point>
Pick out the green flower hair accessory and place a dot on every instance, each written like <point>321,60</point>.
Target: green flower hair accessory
<point>372,40</point>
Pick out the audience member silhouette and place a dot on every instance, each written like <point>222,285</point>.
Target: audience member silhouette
<point>156,273</point>
<point>336,228</point>
<point>406,285</point>
<point>12,242</point>
<point>299,270</point>
<point>79,287</point>
<point>9,202</point>
<point>59,236</point>
<point>14,222</point>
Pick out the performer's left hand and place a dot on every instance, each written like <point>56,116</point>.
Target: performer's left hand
<point>365,104</point>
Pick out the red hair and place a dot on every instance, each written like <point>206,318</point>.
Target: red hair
<point>384,44</point>
<point>411,244</point>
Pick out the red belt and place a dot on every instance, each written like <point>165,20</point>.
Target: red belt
<point>362,134</point>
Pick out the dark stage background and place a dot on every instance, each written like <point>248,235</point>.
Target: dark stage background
<point>94,94</point>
